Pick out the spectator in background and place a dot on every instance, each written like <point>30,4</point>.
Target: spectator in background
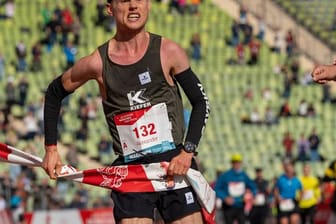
<point>287,191</point>
<point>288,143</point>
<point>66,24</point>
<point>240,50</point>
<point>5,185</point>
<point>194,7</point>
<point>248,32</point>
<point>311,110</point>
<point>290,43</point>
<point>76,30</point>
<point>91,109</point>
<point>39,114</point>
<point>285,110</point>
<point>303,149</point>
<point>30,123</point>
<point>329,179</point>
<point>235,30</point>
<point>311,195</point>
<point>79,6</point>
<point>37,55</point>
<point>295,69</point>
<point>242,14</point>
<point>173,6</point>
<point>58,13</point>
<point>276,43</point>
<point>21,54</point>
<point>10,93</point>
<point>16,205</point>
<point>326,97</point>
<point>104,147</point>
<point>82,133</point>
<point>182,6</point>
<point>10,9</point>
<point>46,15</point>
<point>267,94</point>
<point>261,28</point>
<point>52,29</point>
<point>42,194</point>
<point>255,116</point>
<point>2,67</point>
<point>314,143</point>
<point>270,117</point>
<point>101,16</point>
<point>303,108</point>
<point>254,47</point>
<point>70,52</point>
<point>3,203</point>
<point>72,155</point>
<point>23,87</point>
<point>260,209</point>
<point>83,194</point>
<point>195,45</point>
<point>287,82</point>
<point>231,187</point>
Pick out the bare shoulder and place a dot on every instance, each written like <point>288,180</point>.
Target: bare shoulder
<point>174,56</point>
<point>93,63</point>
<point>172,48</point>
<point>86,68</point>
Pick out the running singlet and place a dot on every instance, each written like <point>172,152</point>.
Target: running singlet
<point>311,191</point>
<point>144,113</point>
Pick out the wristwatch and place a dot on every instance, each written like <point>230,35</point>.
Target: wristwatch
<point>190,147</point>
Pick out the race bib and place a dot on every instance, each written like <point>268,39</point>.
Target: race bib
<point>144,131</point>
<point>308,194</point>
<point>260,199</point>
<point>287,205</point>
<point>236,189</point>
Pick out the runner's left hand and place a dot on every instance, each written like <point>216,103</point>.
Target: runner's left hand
<point>180,164</point>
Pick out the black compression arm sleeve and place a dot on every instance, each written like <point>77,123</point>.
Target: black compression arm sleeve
<point>53,98</point>
<point>193,89</point>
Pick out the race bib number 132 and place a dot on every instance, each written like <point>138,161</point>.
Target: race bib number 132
<point>144,131</point>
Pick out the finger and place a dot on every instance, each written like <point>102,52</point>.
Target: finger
<point>51,172</point>
<point>58,169</point>
<point>318,71</point>
<point>170,170</point>
<point>170,181</point>
<point>322,81</point>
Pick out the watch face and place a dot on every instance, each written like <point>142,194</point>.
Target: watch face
<point>189,147</point>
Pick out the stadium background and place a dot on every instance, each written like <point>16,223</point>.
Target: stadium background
<point>260,145</point>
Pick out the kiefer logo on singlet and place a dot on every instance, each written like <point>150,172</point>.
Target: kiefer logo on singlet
<point>137,100</point>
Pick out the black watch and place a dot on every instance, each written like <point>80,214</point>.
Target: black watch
<point>190,147</point>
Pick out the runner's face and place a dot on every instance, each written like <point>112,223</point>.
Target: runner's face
<point>306,170</point>
<point>289,169</point>
<point>130,14</point>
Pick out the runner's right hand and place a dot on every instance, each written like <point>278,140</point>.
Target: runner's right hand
<point>52,163</point>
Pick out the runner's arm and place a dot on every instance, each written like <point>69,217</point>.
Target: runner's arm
<point>192,87</point>
<point>85,69</point>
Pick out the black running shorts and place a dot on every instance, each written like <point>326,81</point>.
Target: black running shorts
<point>172,205</point>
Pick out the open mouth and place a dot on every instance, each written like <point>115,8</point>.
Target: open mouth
<point>133,16</point>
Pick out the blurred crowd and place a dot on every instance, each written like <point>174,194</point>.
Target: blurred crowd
<point>287,198</point>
